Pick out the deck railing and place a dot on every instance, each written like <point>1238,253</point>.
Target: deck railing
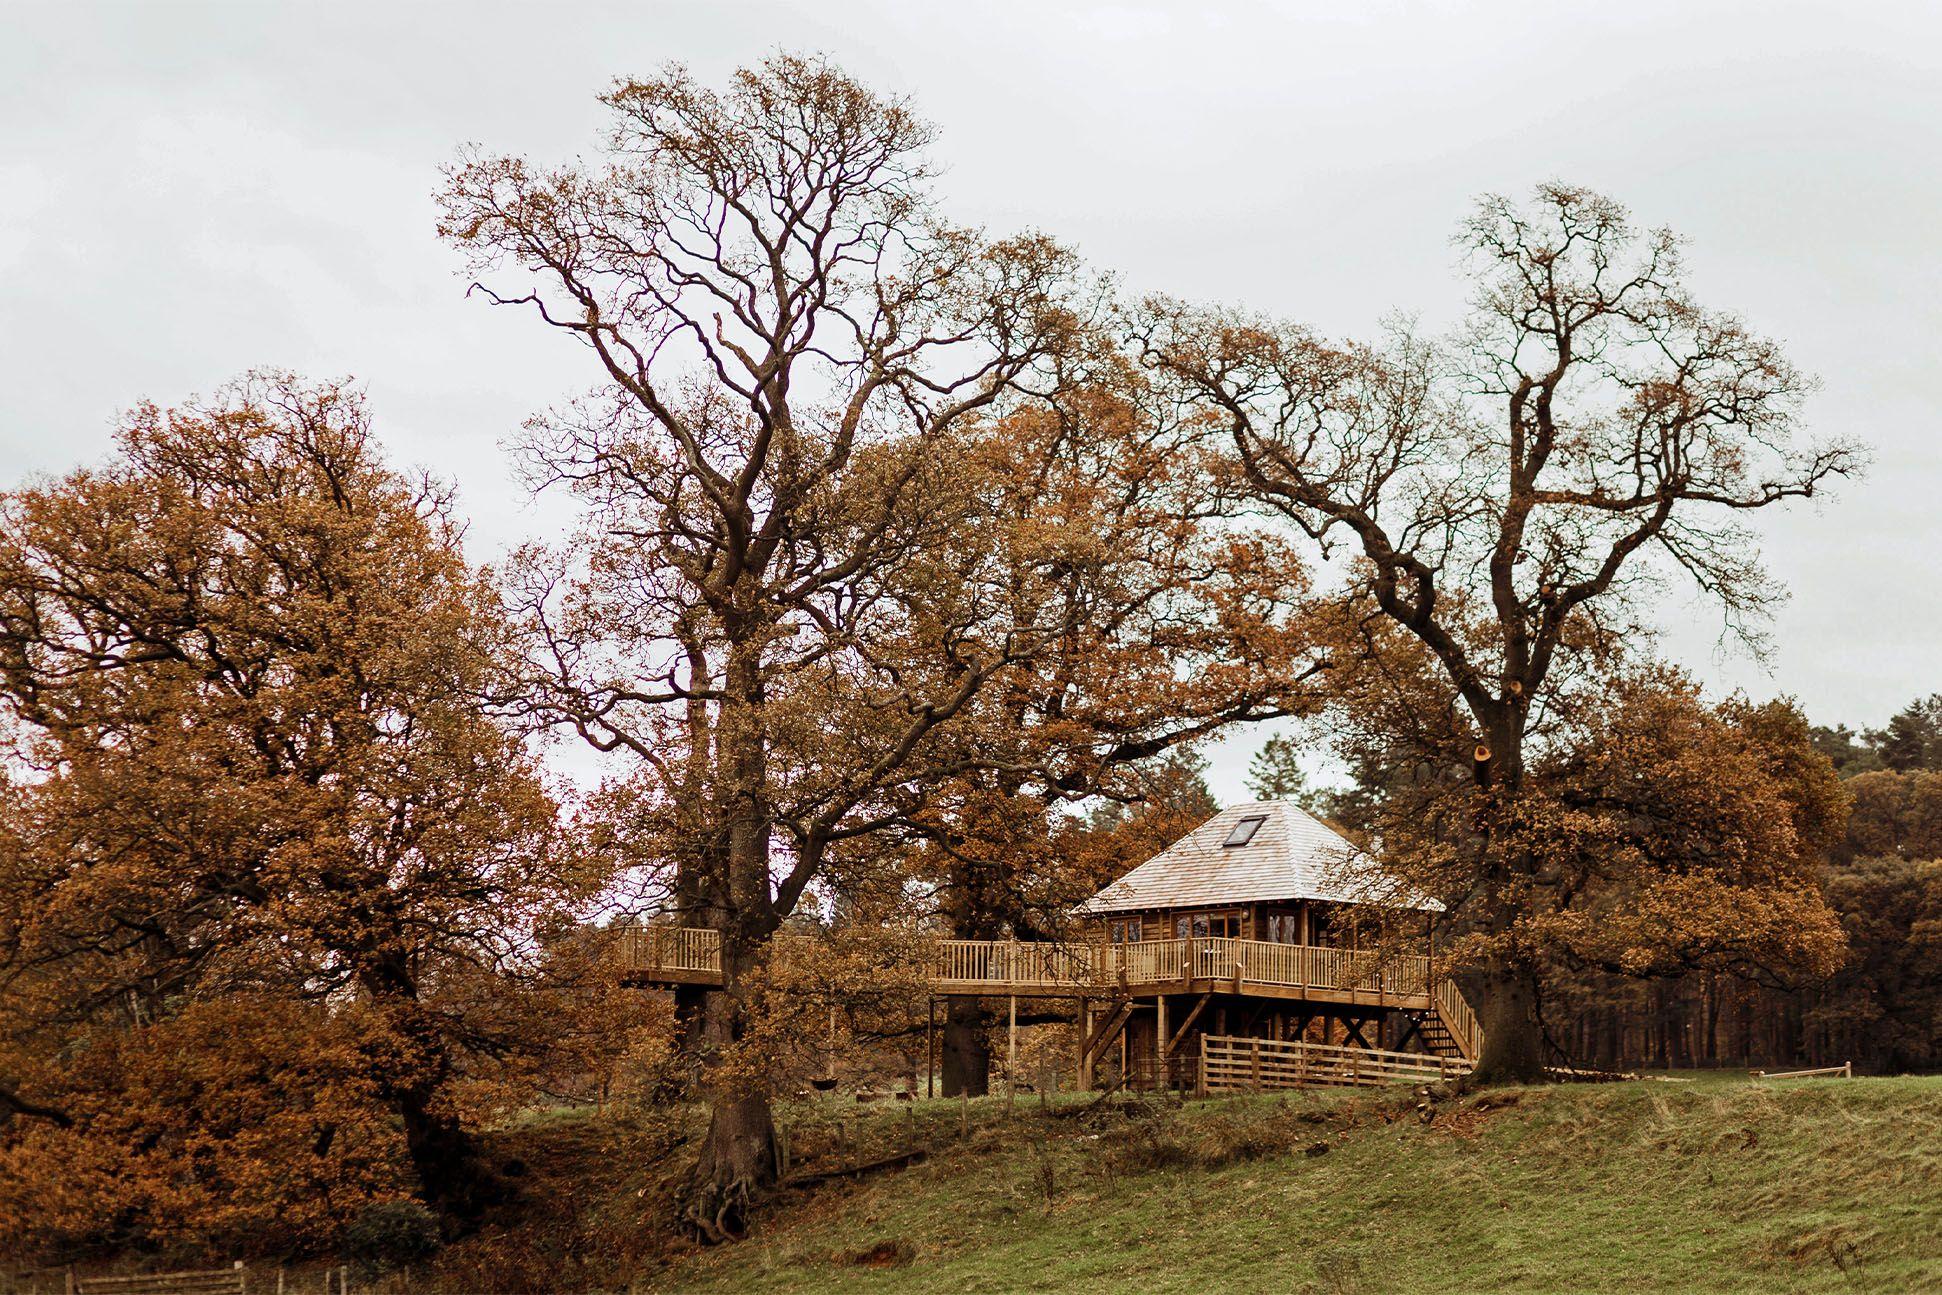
<point>682,949</point>
<point>1149,962</point>
<point>1459,1018</point>
<point>1045,966</point>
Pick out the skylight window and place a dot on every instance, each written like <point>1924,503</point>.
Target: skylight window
<point>1244,830</point>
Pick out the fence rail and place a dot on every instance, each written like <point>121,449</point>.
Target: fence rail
<point>1233,1065</point>
<point>685,950</point>
<point>200,1281</point>
<point>1845,1070</point>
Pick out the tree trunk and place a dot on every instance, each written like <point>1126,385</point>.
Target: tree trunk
<point>413,1076</point>
<point>737,1164</point>
<point>967,1049</point>
<point>1513,1053</point>
<point>441,1153</point>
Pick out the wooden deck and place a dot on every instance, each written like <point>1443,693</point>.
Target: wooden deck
<point>1255,967</point>
<point>1048,970</point>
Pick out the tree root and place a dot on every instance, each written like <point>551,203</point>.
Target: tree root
<point>716,1212</point>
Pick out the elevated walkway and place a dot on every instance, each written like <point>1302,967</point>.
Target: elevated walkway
<point>1027,969</point>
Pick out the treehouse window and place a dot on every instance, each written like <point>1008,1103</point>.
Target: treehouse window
<point>1244,830</point>
<point>1201,925</point>
<point>1284,928</point>
<point>1125,930</point>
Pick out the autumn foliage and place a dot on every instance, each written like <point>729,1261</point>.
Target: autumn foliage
<point>909,574</point>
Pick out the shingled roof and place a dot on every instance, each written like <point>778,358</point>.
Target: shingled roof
<point>1288,854</point>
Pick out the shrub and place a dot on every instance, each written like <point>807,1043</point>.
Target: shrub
<point>390,1234</point>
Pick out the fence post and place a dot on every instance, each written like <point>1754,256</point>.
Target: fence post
<point>1201,1086</point>
<point>1257,1065</point>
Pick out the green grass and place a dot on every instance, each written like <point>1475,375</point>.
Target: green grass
<point>1814,1185</point>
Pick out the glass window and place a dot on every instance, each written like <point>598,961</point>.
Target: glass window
<point>1244,830</point>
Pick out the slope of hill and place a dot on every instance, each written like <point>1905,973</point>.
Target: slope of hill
<point>1722,1185</point>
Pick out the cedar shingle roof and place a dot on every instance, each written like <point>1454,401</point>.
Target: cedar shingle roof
<point>1291,855</point>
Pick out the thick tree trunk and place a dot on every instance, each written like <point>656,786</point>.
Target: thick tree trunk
<point>1513,1050</point>
<point>737,1166</point>
<point>442,1154</point>
<point>967,1049</point>
<point>413,1075</point>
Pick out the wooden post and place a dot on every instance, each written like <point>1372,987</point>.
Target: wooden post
<point>1011,1057</point>
<point>1257,1065</point>
<point>1201,1087</point>
<point>1085,1046</point>
<point>930,1062</point>
<point>1160,1043</point>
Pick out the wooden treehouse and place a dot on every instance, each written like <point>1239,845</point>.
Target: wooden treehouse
<point>1262,949</point>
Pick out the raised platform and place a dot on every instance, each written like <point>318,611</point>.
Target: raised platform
<point>1148,969</point>
<point>675,955</point>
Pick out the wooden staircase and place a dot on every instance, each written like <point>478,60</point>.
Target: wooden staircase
<point>1450,1027</point>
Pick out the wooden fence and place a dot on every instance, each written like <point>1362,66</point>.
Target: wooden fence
<point>687,954</point>
<point>1237,1065</point>
<point>201,1281</point>
<point>233,1280</point>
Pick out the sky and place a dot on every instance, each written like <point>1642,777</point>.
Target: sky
<point>189,190</point>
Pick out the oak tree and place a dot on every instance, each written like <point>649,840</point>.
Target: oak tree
<point>1515,501</point>
<point>793,350</point>
<point>245,663</point>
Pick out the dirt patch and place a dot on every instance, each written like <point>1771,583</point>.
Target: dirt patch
<point>884,1254</point>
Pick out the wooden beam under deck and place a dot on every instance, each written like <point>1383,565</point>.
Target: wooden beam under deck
<point>1199,985</point>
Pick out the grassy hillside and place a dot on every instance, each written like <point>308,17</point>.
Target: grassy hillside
<point>1708,1186</point>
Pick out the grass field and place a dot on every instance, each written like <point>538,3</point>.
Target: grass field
<point>1813,1185</point>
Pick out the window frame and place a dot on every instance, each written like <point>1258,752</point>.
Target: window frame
<point>1236,838</point>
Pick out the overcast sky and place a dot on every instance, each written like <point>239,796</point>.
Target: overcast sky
<point>190,190</point>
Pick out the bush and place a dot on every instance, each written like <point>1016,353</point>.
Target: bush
<point>390,1234</point>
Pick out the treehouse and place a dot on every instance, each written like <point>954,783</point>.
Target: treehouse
<point>1265,923</point>
<point>1262,946</point>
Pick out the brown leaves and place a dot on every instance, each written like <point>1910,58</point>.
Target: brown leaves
<point>251,668</point>
<point>246,1125</point>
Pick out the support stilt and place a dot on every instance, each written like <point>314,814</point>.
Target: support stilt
<point>1160,1041</point>
<point>1011,1049</point>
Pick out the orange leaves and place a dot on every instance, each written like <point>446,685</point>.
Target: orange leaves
<point>250,661</point>
<point>241,1125</point>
